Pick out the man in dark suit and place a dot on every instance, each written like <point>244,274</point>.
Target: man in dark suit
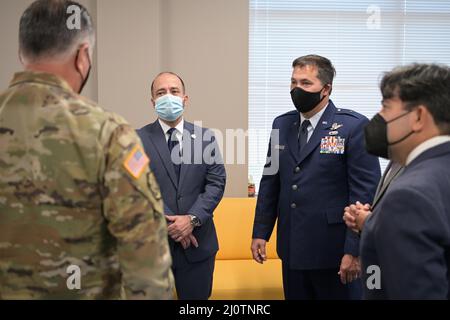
<point>407,238</point>
<point>189,169</point>
<point>356,214</point>
<point>322,168</point>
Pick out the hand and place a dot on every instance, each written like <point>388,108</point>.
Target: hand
<point>355,216</point>
<point>364,211</point>
<point>186,242</point>
<point>259,250</point>
<point>350,214</point>
<point>179,227</point>
<point>350,269</point>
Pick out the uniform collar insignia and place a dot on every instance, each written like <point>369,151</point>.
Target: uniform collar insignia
<point>336,126</point>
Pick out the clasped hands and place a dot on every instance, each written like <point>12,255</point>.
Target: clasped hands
<point>180,230</point>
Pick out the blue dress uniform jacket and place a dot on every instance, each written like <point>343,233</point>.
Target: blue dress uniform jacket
<point>309,192</point>
<point>408,234</point>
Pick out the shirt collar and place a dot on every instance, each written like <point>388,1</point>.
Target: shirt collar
<point>426,145</point>
<point>315,118</point>
<point>40,77</point>
<point>166,128</point>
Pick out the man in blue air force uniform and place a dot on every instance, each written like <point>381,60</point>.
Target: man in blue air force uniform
<point>323,167</point>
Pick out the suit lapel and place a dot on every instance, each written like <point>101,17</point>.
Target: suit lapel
<point>397,169</point>
<point>320,131</point>
<point>382,187</point>
<point>293,139</point>
<point>158,139</point>
<point>381,184</point>
<point>188,151</point>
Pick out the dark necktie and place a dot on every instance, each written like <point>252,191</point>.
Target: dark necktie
<point>303,136</point>
<point>172,143</point>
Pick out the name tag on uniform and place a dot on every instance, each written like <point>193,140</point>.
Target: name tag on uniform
<point>332,145</point>
<point>279,147</point>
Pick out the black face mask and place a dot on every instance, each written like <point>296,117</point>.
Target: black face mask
<point>83,80</point>
<point>305,101</point>
<point>377,142</point>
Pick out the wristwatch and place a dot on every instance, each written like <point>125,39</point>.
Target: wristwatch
<point>195,222</point>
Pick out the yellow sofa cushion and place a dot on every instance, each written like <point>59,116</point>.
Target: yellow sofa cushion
<point>237,276</point>
<point>234,223</point>
<point>247,280</point>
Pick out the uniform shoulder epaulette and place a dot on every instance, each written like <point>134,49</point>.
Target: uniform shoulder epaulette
<point>350,113</point>
<point>288,114</point>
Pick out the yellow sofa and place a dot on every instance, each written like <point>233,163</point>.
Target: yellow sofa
<point>237,276</point>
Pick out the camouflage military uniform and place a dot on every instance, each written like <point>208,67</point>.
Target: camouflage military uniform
<point>75,190</point>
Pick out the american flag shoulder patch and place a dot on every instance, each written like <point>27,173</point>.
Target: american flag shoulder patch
<point>136,162</point>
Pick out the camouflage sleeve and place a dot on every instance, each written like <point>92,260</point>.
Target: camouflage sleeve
<point>133,208</point>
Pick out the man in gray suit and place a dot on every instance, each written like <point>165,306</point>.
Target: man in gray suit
<point>189,169</point>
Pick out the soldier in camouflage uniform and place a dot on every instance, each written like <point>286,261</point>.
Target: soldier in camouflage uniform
<point>75,185</point>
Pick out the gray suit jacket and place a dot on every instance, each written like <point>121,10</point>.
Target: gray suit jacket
<point>201,184</point>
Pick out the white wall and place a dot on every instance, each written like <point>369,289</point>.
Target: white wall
<point>205,41</point>
<point>10,13</point>
<point>128,56</point>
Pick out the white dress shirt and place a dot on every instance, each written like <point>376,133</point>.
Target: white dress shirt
<point>179,131</point>
<point>426,145</point>
<point>314,121</point>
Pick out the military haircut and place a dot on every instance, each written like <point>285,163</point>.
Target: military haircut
<point>44,29</point>
<point>326,70</point>
<point>421,84</point>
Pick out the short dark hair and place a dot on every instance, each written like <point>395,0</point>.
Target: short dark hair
<point>44,31</point>
<point>421,84</point>
<point>168,72</point>
<point>326,70</point>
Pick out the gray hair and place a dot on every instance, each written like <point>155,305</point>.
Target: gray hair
<point>45,33</point>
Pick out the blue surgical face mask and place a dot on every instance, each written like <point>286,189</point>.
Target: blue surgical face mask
<point>169,107</point>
